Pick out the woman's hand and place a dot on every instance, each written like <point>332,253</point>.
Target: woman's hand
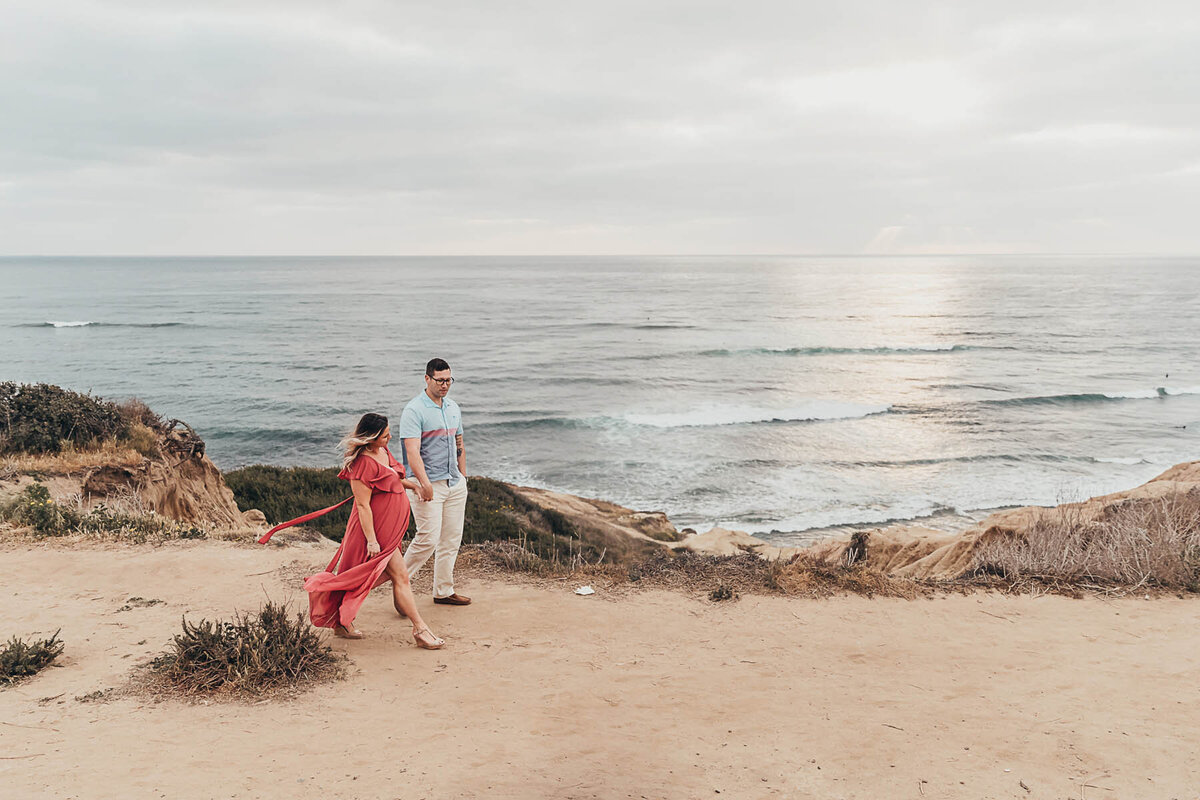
<point>372,548</point>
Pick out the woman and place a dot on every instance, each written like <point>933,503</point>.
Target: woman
<point>370,551</point>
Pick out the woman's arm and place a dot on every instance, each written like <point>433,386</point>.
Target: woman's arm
<point>362,502</point>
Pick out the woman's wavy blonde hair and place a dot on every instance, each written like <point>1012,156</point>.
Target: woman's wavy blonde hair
<point>369,428</point>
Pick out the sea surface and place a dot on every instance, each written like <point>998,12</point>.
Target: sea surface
<point>784,396</point>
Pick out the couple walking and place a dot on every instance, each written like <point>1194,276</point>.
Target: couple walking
<point>431,481</point>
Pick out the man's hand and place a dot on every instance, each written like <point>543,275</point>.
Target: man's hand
<point>425,492</point>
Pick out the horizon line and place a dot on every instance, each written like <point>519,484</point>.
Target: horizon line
<point>1049,253</point>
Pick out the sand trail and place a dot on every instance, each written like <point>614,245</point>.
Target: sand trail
<point>653,694</point>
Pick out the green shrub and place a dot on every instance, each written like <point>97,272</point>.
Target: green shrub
<point>19,660</point>
<point>496,513</point>
<point>252,654</point>
<point>35,508</point>
<point>142,439</point>
<point>42,418</point>
<point>284,493</point>
<point>103,522</point>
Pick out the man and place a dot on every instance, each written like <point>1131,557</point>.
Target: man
<point>431,429</point>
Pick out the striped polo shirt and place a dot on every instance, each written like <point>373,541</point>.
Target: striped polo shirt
<point>436,426</point>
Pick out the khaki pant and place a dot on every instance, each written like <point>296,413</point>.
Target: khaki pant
<point>439,533</point>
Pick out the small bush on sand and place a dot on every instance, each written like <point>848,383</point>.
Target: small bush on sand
<point>1141,543</point>
<point>253,654</point>
<point>722,592</point>
<point>19,660</point>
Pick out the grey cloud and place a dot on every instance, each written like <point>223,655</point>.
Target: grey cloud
<point>615,127</point>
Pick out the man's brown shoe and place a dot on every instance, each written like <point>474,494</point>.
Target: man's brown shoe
<point>455,599</point>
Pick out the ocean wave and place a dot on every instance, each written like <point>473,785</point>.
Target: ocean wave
<point>829,351</point>
<point>701,418</point>
<point>819,525</point>
<point>663,326</point>
<point>714,417</point>
<point>1094,397</point>
<point>89,324</point>
<point>982,458</point>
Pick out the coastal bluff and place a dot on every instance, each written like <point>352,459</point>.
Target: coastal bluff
<point>174,479</point>
<point>925,553</point>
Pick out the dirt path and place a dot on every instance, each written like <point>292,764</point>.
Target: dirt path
<point>651,694</point>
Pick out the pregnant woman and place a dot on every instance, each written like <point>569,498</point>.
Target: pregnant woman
<point>370,551</point>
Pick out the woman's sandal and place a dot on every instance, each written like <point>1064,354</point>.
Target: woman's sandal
<point>342,632</point>
<point>425,639</point>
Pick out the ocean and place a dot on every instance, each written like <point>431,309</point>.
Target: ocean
<point>790,397</point>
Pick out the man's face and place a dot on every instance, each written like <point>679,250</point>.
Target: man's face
<point>439,384</point>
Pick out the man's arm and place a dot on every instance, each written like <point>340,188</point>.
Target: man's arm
<point>412,448</point>
<point>462,455</point>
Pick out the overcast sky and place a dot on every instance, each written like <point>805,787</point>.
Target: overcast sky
<point>297,127</point>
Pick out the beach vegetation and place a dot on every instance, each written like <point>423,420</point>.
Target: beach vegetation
<point>126,520</point>
<point>254,653</point>
<point>1140,543</point>
<point>42,418</point>
<point>284,493</point>
<point>722,593</point>
<point>698,573</point>
<point>42,422</point>
<point>20,659</point>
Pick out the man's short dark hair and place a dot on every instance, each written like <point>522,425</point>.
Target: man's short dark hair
<point>435,365</point>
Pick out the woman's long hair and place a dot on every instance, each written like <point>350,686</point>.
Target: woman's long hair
<point>369,428</point>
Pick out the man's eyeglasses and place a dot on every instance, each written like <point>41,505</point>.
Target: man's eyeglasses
<point>442,381</point>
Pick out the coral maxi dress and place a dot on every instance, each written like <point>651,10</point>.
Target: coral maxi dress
<point>335,595</point>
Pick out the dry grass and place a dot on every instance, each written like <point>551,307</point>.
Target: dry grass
<point>702,574</point>
<point>1142,543</point>
<point>71,461</point>
<point>265,652</point>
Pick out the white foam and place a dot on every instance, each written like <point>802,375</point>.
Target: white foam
<point>1188,390</point>
<point>75,324</point>
<point>733,415</point>
<point>1133,394</point>
<point>1116,460</point>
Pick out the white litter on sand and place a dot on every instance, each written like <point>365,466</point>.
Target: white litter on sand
<point>585,590</point>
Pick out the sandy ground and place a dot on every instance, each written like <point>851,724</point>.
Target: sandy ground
<point>651,694</point>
